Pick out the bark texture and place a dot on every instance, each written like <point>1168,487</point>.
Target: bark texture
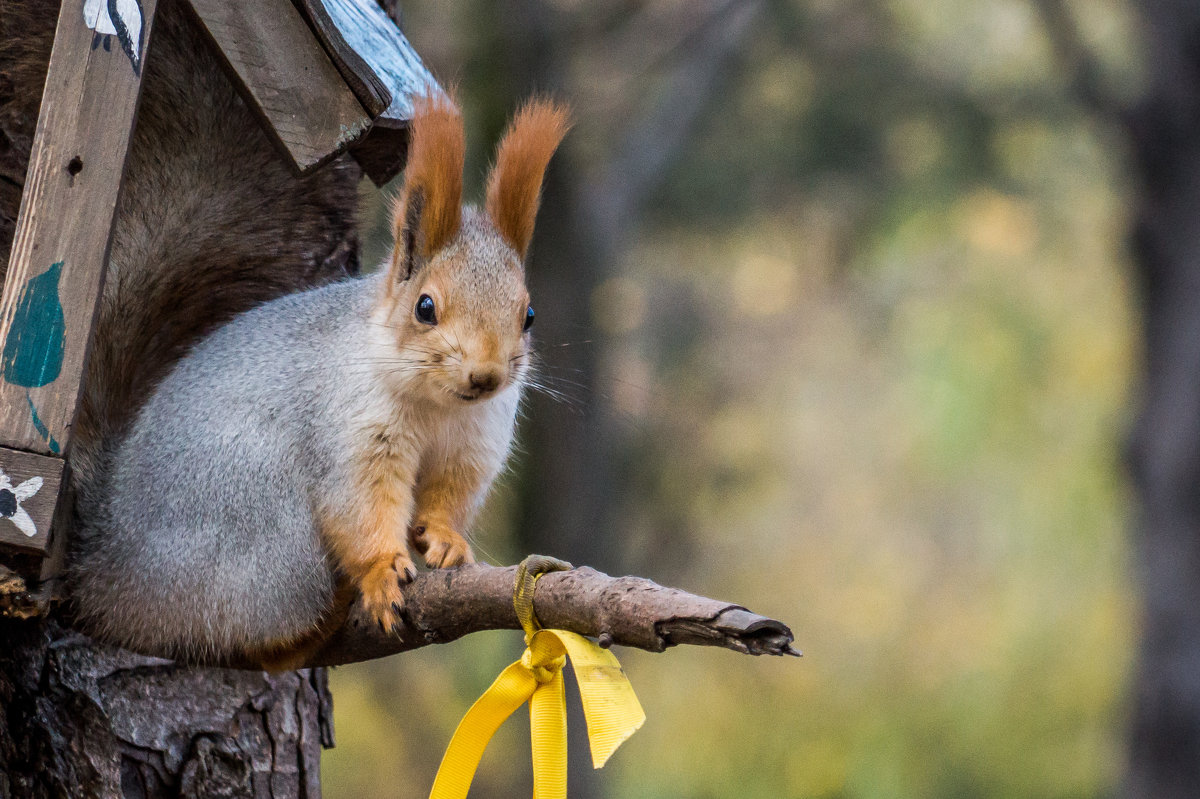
<point>84,720</point>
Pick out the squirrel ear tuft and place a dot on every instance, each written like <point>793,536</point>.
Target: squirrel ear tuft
<point>515,182</point>
<point>428,212</point>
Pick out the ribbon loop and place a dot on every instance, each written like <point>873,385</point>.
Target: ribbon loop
<point>528,572</point>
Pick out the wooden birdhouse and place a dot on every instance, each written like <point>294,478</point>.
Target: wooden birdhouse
<point>323,76</point>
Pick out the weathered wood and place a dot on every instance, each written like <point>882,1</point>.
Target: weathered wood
<point>50,587</point>
<point>60,248</point>
<point>383,69</point>
<point>29,487</point>
<point>372,91</point>
<point>286,77</point>
<point>374,56</point>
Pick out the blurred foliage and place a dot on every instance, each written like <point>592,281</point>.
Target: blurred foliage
<point>870,356</point>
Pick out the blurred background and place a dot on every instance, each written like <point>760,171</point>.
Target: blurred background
<point>839,319</point>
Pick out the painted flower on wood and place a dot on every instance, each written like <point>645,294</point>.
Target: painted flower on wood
<point>122,18</point>
<point>11,499</point>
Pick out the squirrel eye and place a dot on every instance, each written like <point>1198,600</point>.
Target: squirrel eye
<point>528,318</point>
<point>425,311</point>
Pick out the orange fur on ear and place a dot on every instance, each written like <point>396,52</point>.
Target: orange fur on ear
<point>432,196</point>
<point>521,159</point>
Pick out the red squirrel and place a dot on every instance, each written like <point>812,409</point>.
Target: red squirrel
<point>299,455</point>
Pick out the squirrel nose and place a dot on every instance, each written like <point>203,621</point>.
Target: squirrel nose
<point>484,380</point>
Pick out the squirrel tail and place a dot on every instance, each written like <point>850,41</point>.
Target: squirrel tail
<point>211,222</point>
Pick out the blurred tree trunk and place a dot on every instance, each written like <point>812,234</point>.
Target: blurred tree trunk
<point>83,720</point>
<point>1163,128</point>
<point>1164,754</point>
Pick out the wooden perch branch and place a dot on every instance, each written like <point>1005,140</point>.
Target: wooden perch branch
<point>444,605</point>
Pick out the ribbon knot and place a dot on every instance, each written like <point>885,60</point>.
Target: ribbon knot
<point>544,670</point>
<point>610,707</point>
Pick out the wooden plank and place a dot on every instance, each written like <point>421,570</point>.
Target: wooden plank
<point>370,88</point>
<point>29,488</point>
<point>375,57</point>
<point>381,66</point>
<point>60,248</point>
<point>286,77</point>
<point>54,558</point>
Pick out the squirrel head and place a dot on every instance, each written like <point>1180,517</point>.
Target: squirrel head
<point>455,302</point>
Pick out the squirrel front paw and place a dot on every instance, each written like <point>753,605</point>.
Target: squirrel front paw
<point>382,600</point>
<point>442,545</point>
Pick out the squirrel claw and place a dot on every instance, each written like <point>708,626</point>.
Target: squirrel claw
<point>442,546</point>
<point>382,599</point>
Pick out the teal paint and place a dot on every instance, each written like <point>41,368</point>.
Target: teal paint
<point>40,426</point>
<point>33,349</point>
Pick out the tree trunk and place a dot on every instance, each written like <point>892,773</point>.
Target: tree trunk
<point>1164,755</point>
<point>82,719</point>
<point>206,196</point>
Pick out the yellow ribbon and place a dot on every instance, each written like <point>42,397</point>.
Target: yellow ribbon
<point>610,707</point>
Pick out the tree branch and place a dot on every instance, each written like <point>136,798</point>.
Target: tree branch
<point>444,605</point>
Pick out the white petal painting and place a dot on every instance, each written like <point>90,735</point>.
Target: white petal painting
<point>11,499</point>
<point>27,489</point>
<point>24,523</point>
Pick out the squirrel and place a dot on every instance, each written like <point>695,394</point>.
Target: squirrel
<point>290,460</point>
<point>210,222</point>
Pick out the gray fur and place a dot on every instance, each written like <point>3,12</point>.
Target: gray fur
<point>209,509</point>
<point>202,538</point>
